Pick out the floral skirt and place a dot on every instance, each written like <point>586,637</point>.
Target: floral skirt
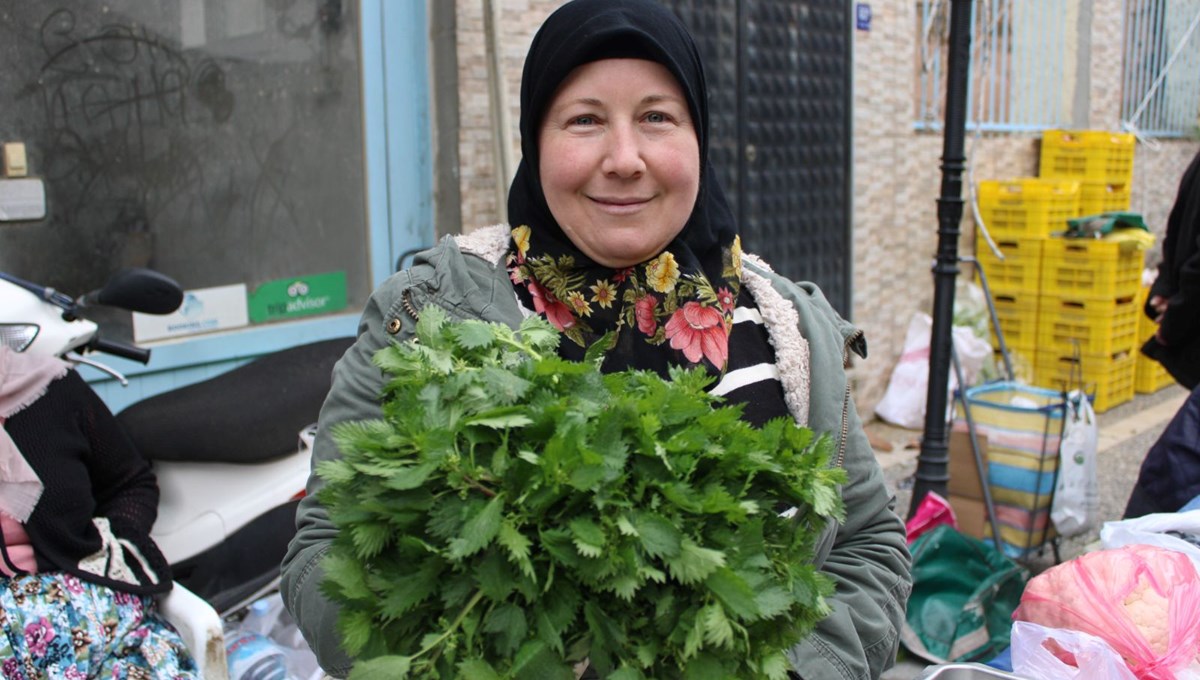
<point>54,625</point>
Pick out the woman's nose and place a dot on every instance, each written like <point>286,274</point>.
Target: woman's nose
<point>623,156</point>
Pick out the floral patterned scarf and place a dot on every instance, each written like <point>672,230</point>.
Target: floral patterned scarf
<point>676,308</point>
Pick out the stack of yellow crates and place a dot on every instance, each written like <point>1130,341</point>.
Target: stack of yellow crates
<point>1067,307</point>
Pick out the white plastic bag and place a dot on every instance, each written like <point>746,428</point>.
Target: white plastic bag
<point>1033,659</point>
<point>903,403</point>
<point>1152,530</point>
<point>1076,494</point>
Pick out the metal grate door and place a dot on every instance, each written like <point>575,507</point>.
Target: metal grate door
<point>779,98</point>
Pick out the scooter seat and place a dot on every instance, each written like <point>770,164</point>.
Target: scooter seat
<point>251,414</point>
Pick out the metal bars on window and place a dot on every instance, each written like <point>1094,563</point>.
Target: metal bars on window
<point>1161,79</point>
<point>1023,64</point>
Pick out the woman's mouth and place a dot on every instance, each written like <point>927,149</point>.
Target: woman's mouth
<point>620,205</point>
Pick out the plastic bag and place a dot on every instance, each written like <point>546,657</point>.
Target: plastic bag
<point>1165,530</point>
<point>933,511</point>
<point>1033,658</point>
<point>1076,493</point>
<point>903,402</point>
<point>963,596</point>
<point>1142,600</point>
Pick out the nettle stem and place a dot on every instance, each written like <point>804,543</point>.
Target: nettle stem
<point>453,625</point>
<point>523,348</point>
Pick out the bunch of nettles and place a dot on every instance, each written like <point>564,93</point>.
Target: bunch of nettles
<point>514,514</point>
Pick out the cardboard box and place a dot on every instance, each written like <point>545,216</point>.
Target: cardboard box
<point>971,515</point>
<point>964,476</point>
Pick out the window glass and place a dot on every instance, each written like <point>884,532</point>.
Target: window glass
<point>217,141</point>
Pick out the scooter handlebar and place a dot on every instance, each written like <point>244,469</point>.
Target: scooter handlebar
<point>120,349</point>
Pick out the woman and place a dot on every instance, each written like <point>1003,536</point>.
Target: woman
<point>619,225</point>
<point>78,569</point>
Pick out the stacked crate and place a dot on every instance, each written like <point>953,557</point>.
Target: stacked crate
<point>1067,307</point>
<point>1148,375</point>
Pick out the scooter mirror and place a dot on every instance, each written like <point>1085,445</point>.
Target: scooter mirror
<point>139,290</point>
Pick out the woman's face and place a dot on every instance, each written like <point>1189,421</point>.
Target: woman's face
<point>620,161</point>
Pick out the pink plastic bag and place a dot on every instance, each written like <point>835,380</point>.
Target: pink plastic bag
<point>1142,600</point>
<point>932,511</point>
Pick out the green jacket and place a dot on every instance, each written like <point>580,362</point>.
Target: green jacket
<point>867,555</point>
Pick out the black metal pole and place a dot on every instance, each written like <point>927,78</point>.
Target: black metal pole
<point>933,462</point>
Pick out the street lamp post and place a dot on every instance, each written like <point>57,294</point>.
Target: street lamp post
<point>933,461</point>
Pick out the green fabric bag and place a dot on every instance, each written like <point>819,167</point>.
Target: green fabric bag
<point>964,594</point>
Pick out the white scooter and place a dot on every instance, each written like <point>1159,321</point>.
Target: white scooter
<point>231,453</point>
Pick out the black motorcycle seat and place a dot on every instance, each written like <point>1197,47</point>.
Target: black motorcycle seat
<point>250,414</point>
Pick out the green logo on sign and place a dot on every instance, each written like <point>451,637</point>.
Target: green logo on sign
<point>300,296</point>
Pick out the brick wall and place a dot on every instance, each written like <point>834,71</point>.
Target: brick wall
<point>896,170</point>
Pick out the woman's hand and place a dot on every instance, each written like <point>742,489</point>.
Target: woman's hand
<point>1159,304</point>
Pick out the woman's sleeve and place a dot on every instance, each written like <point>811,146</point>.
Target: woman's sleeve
<point>870,563</point>
<point>353,395</point>
<point>123,484</point>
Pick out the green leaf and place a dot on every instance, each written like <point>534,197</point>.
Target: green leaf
<point>406,593</point>
<point>356,628</point>
<point>478,669</point>
<point>382,668</point>
<point>508,625</point>
<point>429,326</point>
<point>472,334</point>
<point>694,563</point>
<point>410,477</point>
<point>773,601</point>
<point>659,537</point>
<point>589,537</point>
<point>370,538</point>
<point>535,659</point>
<point>479,531</point>
<point>517,547</point>
<point>500,421</point>
<point>775,666</point>
<point>733,592</point>
<point>345,574</point>
<point>717,629</point>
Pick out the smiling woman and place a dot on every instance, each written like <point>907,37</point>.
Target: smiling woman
<point>620,162</point>
<point>622,238</point>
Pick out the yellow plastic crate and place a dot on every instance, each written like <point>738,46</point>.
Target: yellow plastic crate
<point>1092,155</point>
<point>1018,318</point>
<point>1020,272</point>
<point>1108,379</point>
<point>1102,197</point>
<point>1149,376</point>
<point>1091,268</point>
<point>1067,326</point>
<point>1027,207</point>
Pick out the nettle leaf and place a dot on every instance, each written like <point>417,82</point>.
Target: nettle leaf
<point>508,625</point>
<point>588,536</point>
<point>694,563</point>
<point>735,593</point>
<point>517,546</point>
<point>478,669</point>
<point>473,334</point>
<point>479,531</point>
<point>659,536</point>
<point>513,513</point>
<point>382,668</point>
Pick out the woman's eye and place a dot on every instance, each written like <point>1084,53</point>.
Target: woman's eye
<point>583,120</point>
<point>656,117</point>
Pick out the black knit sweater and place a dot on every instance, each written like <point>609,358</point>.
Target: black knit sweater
<point>90,470</point>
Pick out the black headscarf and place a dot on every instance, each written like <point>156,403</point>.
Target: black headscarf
<point>686,322</point>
